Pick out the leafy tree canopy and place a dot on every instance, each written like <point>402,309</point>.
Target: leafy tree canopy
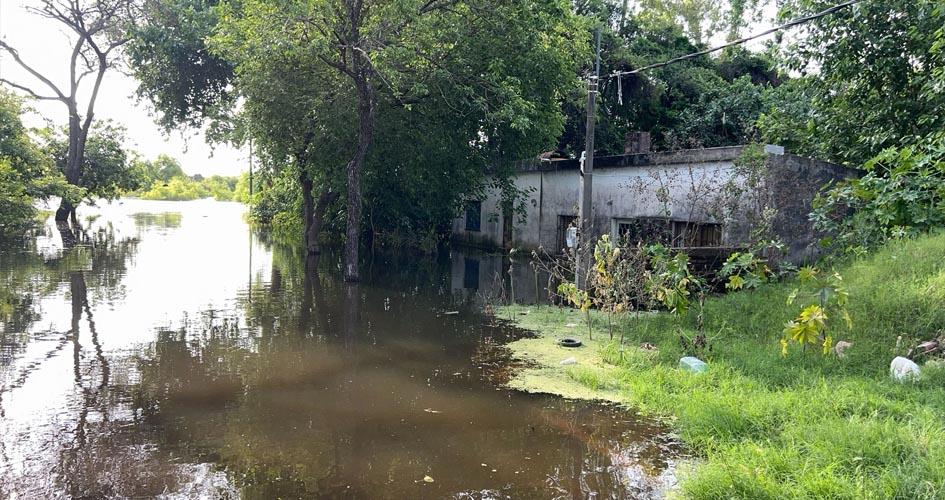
<point>175,69</point>
<point>874,79</point>
<point>26,173</point>
<point>107,170</point>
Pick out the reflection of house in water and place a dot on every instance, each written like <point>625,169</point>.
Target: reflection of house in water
<point>478,277</point>
<point>701,200</point>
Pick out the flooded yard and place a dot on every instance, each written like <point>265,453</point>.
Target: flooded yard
<point>171,351</point>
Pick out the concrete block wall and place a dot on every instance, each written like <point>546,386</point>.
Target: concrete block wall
<point>659,185</point>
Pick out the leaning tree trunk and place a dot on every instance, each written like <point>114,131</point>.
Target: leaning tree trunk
<point>313,212</point>
<point>365,135</point>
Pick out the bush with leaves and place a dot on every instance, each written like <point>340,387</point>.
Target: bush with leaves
<point>673,285</point>
<point>669,280</point>
<point>619,278</point>
<point>901,195</point>
<point>817,321</point>
<point>744,270</point>
<point>26,172</point>
<point>107,171</point>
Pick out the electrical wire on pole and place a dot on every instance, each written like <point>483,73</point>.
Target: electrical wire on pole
<point>585,206</point>
<point>790,24</point>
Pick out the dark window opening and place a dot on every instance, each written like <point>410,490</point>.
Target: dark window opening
<point>648,231</point>
<point>564,222</point>
<point>471,273</point>
<point>674,233</point>
<point>473,215</point>
<point>697,234</point>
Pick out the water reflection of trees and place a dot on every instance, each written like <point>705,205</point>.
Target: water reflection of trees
<point>160,220</point>
<point>360,391</point>
<point>87,452</point>
<point>331,391</point>
<point>99,257</point>
<point>288,422</point>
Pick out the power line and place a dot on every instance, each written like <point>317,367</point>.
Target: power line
<point>789,24</point>
<point>585,208</point>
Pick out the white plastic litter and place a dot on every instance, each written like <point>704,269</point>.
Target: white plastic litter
<point>903,369</point>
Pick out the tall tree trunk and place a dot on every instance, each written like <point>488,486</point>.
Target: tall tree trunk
<point>318,218</point>
<point>365,135</point>
<point>67,234</point>
<point>75,156</point>
<point>308,210</point>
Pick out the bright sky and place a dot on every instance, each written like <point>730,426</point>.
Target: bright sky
<point>44,46</point>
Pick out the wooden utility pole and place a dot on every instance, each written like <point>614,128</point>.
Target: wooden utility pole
<point>585,206</point>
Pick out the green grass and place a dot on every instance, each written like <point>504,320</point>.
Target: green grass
<point>766,426</point>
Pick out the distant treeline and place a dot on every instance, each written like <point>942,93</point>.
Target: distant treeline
<point>164,179</point>
<point>33,162</point>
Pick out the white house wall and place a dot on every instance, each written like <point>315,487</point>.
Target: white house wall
<point>631,190</point>
<point>619,193</point>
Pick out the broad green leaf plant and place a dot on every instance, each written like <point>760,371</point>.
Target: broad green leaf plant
<point>745,271</point>
<point>827,302</point>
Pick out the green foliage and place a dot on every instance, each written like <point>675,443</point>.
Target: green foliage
<point>183,188</point>
<point>901,195</point>
<point>723,113</point>
<point>161,170</point>
<point>744,270</point>
<point>807,328</point>
<point>702,102</point>
<point>813,324</point>
<point>169,57</point>
<point>241,190</point>
<point>702,19</point>
<point>26,173</point>
<point>177,189</point>
<point>107,170</point>
<point>164,179</point>
<point>276,203</point>
<point>630,277</point>
<point>876,80</point>
<point>453,99</point>
<point>17,212</point>
<point>797,427</point>
<point>618,279</point>
<point>669,280</point>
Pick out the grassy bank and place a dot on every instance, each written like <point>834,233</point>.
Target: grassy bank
<point>767,426</point>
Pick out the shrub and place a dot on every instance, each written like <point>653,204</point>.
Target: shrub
<point>901,195</point>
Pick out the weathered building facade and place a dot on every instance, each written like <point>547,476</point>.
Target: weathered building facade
<point>695,199</point>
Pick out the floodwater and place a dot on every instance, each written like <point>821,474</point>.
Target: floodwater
<point>172,352</point>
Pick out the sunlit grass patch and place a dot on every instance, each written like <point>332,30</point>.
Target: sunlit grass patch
<point>800,426</point>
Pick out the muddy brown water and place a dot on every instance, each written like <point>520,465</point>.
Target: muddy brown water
<point>172,352</point>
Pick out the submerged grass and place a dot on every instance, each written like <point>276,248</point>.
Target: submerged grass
<point>766,426</point>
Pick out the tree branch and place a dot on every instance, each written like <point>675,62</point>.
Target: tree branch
<point>432,5</point>
<point>16,57</point>
<point>29,91</point>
